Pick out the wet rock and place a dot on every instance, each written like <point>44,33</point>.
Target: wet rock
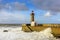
<point>5,31</point>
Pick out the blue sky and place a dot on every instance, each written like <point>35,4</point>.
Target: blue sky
<point>18,11</point>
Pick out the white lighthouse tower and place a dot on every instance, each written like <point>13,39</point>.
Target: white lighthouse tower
<point>32,19</point>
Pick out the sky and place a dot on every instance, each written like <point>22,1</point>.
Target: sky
<point>18,11</point>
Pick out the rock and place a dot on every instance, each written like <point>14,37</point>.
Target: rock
<point>5,31</point>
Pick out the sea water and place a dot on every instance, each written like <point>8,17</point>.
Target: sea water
<point>16,33</point>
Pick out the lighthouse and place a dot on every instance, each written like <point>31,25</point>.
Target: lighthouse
<point>32,19</point>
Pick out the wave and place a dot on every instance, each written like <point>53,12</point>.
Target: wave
<point>18,34</point>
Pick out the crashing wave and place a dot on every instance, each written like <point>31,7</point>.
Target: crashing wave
<point>17,34</point>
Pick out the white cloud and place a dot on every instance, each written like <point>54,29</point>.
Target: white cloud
<point>53,5</point>
<point>47,14</point>
<point>14,6</point>
<point>19,6</point>
<point>11,17</point>
<point>8,6</point>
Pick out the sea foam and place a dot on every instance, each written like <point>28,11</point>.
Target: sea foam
<point>18,34</point>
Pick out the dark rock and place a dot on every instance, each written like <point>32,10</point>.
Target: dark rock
<point>5,31</point>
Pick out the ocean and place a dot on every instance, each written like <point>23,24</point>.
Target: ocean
<point>14,32</point>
